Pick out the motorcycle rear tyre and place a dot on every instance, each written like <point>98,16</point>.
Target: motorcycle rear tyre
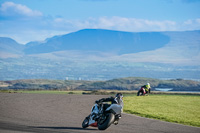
<point>109,120</point>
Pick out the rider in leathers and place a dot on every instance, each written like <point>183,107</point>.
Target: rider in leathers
<point>118,99</point>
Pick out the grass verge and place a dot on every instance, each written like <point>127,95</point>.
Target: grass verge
<point>183,109</point>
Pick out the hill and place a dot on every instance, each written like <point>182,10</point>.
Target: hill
<point>97,54</point>
<point>177,48</point>
<point>130,83</point>
<point>10,48</point>
<point>10,45</point>
<point>183,49</point>
<point>100,40</point>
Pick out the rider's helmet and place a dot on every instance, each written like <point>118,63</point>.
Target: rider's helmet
<point>148,85</point>
<point>119,95</point>
<point>119,98</point>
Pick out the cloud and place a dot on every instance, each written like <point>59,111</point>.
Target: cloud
<point>118,23</point>
<point>134,24</point>
<point>191,24</point>
<point>12,9</point>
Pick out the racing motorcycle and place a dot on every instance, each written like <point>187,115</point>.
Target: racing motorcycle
<point>103,115</point>
<point>141,92</point>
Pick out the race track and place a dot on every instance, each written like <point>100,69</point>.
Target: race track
<point>53,113</point>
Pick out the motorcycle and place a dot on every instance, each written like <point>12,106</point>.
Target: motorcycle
<point>142,92</point>
<point>103,115</point>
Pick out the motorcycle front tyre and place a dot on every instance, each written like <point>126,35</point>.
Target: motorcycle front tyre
<point>109,120</point>
<point>85,122</point>
<point>140,93</point>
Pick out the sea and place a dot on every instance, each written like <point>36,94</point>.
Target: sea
<point>170,90</point>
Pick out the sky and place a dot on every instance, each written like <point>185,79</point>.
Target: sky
<point>36,20</point>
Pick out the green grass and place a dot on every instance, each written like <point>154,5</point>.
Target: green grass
<point>181,109</point>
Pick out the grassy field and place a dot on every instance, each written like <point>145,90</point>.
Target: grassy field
<point>183,109</point>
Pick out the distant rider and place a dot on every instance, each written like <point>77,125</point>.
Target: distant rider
<point>145,89</point>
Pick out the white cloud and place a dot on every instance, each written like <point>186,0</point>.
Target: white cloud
<point>198,20</point>
<point>133,24</point>
<point>190,24</point>
<point>119,23</point>
<point>11,9</point>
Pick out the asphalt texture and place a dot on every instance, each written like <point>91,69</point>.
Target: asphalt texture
<point>53,113</point>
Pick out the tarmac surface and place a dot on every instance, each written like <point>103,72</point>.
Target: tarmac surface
<point>54,113</point>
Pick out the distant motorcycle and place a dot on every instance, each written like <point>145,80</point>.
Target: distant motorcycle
<point>142,92</point>
<point>104,115</point>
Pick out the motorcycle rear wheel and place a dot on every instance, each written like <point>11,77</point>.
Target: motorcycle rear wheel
<point>105,123</point>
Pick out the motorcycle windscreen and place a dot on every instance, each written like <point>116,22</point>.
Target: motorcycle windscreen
<point>116,108</point>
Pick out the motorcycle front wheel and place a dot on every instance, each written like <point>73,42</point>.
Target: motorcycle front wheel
<point>139,93</point>
<point>85,122</point>
<point>106,121</point>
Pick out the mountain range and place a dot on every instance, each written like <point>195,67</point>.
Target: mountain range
<point>105,53</point>
<point>100,40</point>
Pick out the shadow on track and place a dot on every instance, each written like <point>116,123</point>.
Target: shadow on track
<point>71,128</point>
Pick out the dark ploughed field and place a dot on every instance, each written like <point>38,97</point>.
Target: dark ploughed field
<point>53,113</point>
